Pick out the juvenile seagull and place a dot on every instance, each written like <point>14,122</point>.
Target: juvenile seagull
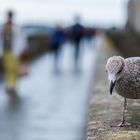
<point>124,76</point>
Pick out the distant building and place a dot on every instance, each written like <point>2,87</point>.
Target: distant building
<point>134,15</point>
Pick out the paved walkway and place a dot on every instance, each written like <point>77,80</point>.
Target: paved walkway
<point>105,110</point>
<point>49,106</point>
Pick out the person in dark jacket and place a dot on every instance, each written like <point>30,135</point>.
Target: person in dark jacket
<point>57,40</point>
<point>77,32</point>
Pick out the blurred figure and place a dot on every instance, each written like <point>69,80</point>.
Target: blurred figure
<point>12,46</point>
<point>57,40</point>
<point>77,32</point>
<point>89,35</point>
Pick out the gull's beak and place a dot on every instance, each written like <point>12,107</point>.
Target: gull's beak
<point>111,86</point>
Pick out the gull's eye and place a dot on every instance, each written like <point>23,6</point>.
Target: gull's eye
<point>119,71</point>
<point>106,70</point>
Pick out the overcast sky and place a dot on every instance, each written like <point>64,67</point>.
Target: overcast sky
<point>101,12</point>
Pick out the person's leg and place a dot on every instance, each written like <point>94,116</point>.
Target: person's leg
<point>77,53</point>
<point>56,56</point>
<point>10,64</point>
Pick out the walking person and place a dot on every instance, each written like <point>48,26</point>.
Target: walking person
<point>57,40</point>
<point>12,45</point>
<point>77,32</point>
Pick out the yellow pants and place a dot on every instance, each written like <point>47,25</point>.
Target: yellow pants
<point>10,66</point>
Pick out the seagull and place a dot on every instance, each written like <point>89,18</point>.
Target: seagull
<point>124,77</point>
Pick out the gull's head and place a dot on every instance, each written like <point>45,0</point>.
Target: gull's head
<point>114,68</point>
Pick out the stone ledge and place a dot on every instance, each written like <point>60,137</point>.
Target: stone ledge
<point>106,110</point>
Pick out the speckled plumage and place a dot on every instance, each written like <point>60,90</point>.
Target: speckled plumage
<point>124,76</point>
<point>128,82</point>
